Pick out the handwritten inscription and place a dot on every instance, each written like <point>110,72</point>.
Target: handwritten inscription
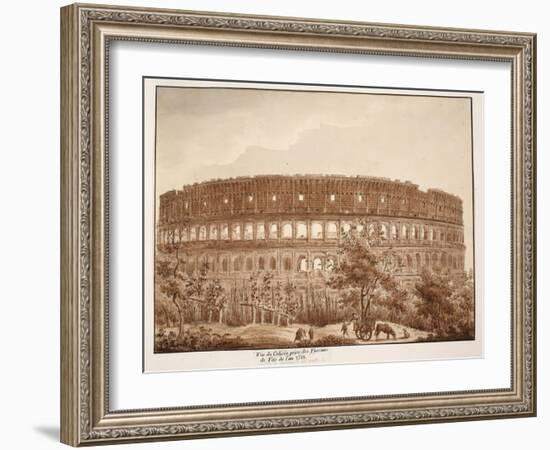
<point>293,356</point>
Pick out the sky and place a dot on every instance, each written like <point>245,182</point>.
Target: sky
<point>205,133</point>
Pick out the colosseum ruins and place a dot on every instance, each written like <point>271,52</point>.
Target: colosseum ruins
<point>293,225</point>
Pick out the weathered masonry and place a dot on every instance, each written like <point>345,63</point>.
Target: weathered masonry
<point>292,225</point>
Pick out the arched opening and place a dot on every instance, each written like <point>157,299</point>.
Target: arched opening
<point>260,230</point>
<point>346,227</point>
<point>287,231</point>
<point>404,232</point>
<point>273,231</point>
<point>224,232</point>
<point>287,263</point>
<point>225,265</point>
<point>237,265</point>
<point>202,233</point>
<point>317,264</point>
<point>249,264</point>
<point>193,234</point>
<point>248,231</point>
<point>372,229</point>
<point>261,263</point>
<point>330,264</point>
<point>301,230</point>
<point>211,264</point>
<point>393,231</point>
<point>273,263</point>
<point>213,232</point>
<point>383,231</point>
<point>236,232</point>
<point>317,230</point>
<point>332,230</point>
<point>302,264</point>
<point>418,261</point>
<point>409,262</point>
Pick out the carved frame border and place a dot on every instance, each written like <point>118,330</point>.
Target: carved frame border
<point>86,31</point>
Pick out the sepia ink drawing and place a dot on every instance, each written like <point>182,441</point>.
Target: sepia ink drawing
<point>266,248</point>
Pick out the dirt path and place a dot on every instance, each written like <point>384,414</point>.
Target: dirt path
<point>259,335</point>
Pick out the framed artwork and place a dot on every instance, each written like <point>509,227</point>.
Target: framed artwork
<point>275,224</point>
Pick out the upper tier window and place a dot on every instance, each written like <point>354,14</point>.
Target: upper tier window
<point>317,230</point>
<point>273,231</point>
<point>287,231</point>
<point>301,230</point>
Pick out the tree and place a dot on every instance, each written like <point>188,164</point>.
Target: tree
<point>395,303</point>
<point>215,298</point>
<point>434,290</point>
<point>364,269</point>
<point>184,290</point>
<point>171,278</point>
<point>462,299</point>
<point>289,304</point>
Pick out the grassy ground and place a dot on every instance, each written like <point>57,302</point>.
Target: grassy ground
<point>273,336</point>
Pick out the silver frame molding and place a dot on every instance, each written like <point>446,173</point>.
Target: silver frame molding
<point>86,31</point>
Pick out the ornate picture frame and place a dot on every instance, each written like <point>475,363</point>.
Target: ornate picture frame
<point>86,34</point>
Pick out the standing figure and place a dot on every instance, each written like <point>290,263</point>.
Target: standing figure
<point>354,321</point>
<point>406,334</point>
<point>344,329</point>
<point>310,333</point>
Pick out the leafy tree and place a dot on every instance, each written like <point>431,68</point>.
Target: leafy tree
<point>289,304</point>
<point>184,290</point>
<point>434,291</point>
<point>171,278</point>
<point>364,269</point>
<point>266,295</point>
<point>215,298</point>
<point>395,302</point>
<point>462,299</point>
<point>254,299</point>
